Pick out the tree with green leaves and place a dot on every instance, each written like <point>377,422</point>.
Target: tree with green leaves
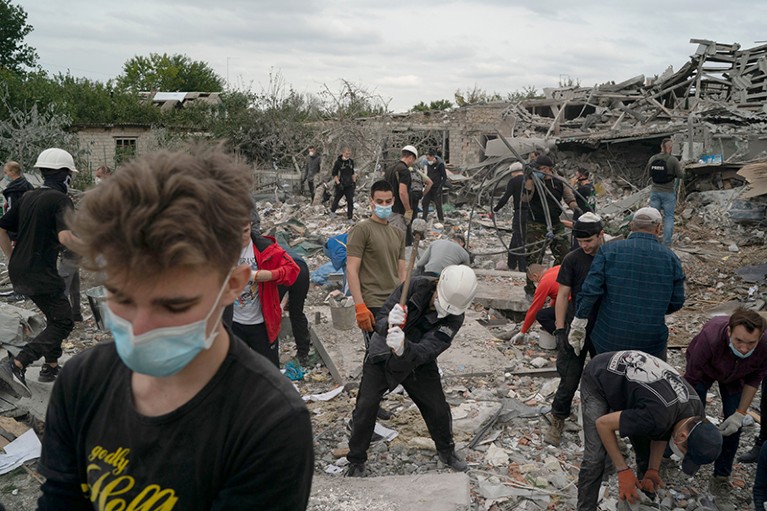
<point>169,73</point>
<point>442,104</point>
<point>14,53</point>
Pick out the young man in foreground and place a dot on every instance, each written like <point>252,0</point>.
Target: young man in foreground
<point>176,414</point>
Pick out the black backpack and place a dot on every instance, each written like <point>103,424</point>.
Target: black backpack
<point>659,172</point>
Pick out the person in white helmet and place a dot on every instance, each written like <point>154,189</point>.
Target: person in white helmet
<point>398,176</point>
<point>415,336</point>
<point>38,218</point>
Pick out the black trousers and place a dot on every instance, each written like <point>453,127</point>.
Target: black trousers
<point>434,195</point>
<point>546,318</point>
<point>256,337</point>
<point>59,323</point>
<point>296,300</point>
<point>348,192</point>
<point>423,386</point>
<point>570,369</point>
<point>310,183</point>
<point>516,258</point>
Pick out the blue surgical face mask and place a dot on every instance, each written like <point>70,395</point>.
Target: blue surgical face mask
<point>738,353</point>
<point>163,351</point>
<point>383,212</point>
<point>539,174</point>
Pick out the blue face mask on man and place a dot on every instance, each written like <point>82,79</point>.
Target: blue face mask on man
<point>163,351</point>
<point>738,353</point>
<point>383,212</point>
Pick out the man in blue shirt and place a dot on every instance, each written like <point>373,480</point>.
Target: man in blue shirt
<point>639,281</point>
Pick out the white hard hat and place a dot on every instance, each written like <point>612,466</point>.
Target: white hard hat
<point>411,149</point>
<point>55,158</point>
<point>517,165</point>
<point>456,288</point>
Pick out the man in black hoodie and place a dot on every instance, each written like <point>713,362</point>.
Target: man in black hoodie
<point>16,187</point>
<point>39,220</point>
<point>346,179</point>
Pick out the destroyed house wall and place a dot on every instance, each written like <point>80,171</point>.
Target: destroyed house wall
<point>109,144</point>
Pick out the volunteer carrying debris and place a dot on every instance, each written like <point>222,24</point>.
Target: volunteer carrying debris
<point>643,398</point>
<point>415,336</point>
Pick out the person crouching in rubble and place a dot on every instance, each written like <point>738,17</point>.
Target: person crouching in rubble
<point>257,314</point>
<point>641,397</point>
<point>405,352</point>
<point>547,288</point>
<point>732,351</point>
<point>176,413</point>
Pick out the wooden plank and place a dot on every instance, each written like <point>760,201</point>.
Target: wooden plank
<point>325,356</point>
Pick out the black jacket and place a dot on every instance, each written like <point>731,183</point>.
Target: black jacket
<point>14,190</point>
<point>344,169</point>
<point>426,335</point>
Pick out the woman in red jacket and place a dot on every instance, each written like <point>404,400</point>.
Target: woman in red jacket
<point>257,312</point>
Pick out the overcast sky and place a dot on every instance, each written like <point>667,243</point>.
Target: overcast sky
<point>405,51</point>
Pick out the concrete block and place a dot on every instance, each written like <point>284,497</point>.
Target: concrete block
<point>502,297</point>
<point>423,492</point>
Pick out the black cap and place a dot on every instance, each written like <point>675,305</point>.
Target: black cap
<point>544,161</point>
<point>704,444</point>
<point>587,225</point>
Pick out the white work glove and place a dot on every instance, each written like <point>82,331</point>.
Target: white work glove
<point>577,334</point>
<point>395,339</point>
<point>732,424</point>
<point>520,338</point>
<point>397,316</point>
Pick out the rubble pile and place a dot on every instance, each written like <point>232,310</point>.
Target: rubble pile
<point>499,393</point>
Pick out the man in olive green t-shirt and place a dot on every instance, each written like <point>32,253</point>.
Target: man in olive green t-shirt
<point>375,257</point>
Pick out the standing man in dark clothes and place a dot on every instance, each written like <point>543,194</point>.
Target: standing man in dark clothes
<point>398,176</point>
<point>346,182</point>
<point>733,352</point>
<point>588,230</point>
<point>435,169</point>
<point>516,258</point>
<point>311,169</point>
<point>296,294</point>
<point>415,335</point>
<point>664,169</point>
<point>537,227</point>
<point>177,413</point>
<point>39,220</point>
<point>643,398</point>
<point>17,185</point>
<point>586,197</point>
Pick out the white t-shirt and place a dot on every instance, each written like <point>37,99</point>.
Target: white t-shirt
<point>247,308</point>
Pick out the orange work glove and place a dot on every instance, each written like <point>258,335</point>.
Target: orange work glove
<point>365,319</point>
<point>651,481</point>
<point>627,486</point>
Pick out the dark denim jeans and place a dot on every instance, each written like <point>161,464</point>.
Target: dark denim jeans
<point>730,402</point>
<point>595,458</point>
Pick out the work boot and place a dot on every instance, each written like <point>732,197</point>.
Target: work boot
<point>48,373</point>
<point>553,434</point>
<point>355,470</point>
<point>751,455</point>
<point>451,459</point>
<point>721,490</point>
<point>11,374</point>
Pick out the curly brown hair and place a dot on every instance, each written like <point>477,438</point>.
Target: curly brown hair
<point>165,210</point>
